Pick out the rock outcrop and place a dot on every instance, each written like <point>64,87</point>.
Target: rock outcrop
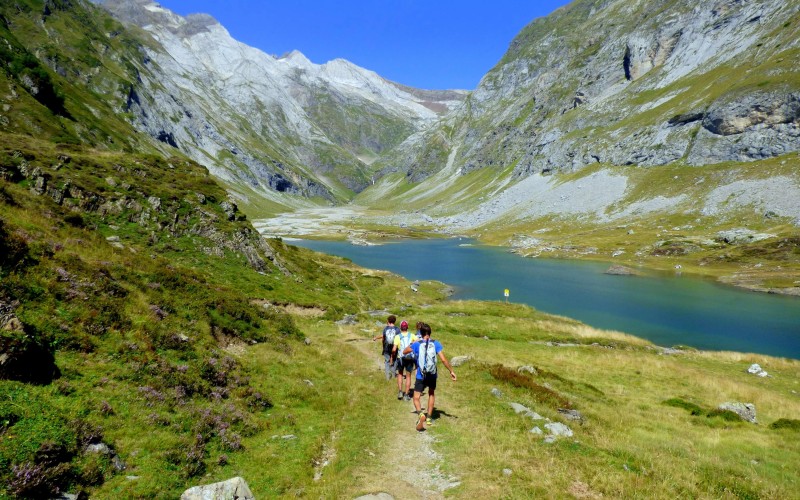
<point>589,85</point>
<point>295,130</point>
<point>232,489</point>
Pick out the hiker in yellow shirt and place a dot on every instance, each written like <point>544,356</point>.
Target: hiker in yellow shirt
<point>404,363</point>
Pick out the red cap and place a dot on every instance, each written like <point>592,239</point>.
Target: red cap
<point>404,325</point>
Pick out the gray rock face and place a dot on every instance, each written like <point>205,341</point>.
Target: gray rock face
<point>613,99</point>
<point>747,411</point>
<point>295,128</point>
<point>741,236</point>
<point>232,489</point>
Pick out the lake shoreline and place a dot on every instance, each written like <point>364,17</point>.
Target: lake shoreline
<point>324,230</point>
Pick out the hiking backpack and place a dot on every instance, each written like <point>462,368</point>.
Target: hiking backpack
<point>427,358</point>
<point>405,341</point>
<point>388,337</point>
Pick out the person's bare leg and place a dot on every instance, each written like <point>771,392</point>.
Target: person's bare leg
<point>417,404</point>
<point>431,398</point>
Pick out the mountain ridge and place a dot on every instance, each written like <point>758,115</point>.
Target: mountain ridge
<point>305,112</point>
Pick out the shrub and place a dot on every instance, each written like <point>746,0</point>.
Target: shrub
<point>726,415</point>
<point>13,249</point>
<point>540,393</point>
<point>786,423</point>
<point>686,405</point>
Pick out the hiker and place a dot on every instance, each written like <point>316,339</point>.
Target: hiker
<point>404,363</point>
<point>388,334</point>
<point>426,351</point>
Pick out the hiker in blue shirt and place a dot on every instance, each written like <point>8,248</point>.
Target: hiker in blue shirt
<point>426,351</point>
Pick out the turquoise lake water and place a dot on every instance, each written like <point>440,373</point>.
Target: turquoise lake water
<point>667,309</point>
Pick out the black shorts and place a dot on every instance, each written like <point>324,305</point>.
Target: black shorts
<point>428,381</point>
<point>404,365</point>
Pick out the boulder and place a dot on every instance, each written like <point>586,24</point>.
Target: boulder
<point>747,411</point>
<point>618,270</point>
<point>571,414</point>
<point>558,429</point>
<point>376,496</point>
<point>497,392</point>
<point>527,369</point>
<point>756,369</point>
<point>459,360</point>
<point>232,489</point>
<point>348,320</point>
<point>525,411</point>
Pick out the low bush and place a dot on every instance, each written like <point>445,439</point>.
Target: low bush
<point>686,405</point>
<point>786,423</point>
<point>539,392</point>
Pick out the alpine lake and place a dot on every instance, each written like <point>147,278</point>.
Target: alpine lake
<point>668,309</point>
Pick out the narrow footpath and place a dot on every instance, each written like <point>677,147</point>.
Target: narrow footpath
<point>407,464</point>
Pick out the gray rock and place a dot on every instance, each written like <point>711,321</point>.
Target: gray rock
<point>525,411</point>
<point>527,369</point>
<point>230,209</point>
<point>376,496</point>
<point>307,341</point>
<point>537,430</point>
<point>747,411</point>
<point>618,270</point>
<point>558,429</point>
<point>755,369</point>
<point>497,392</point>
<point>232,489</point>
<point>507,472</point>
<point>348,320</point>
<point>99,448</point>
<point>550,439</point>
<point>571,414</point>
<point>459,360</point>
<point>741,236</point>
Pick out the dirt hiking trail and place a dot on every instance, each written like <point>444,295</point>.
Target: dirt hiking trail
<point>406,464</point>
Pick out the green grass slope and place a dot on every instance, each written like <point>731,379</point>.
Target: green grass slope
<point>128,286</point>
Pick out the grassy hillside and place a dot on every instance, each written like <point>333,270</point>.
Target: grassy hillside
<point>128,286</point>
<point>175,320</point>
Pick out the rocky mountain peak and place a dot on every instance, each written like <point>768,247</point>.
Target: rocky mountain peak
<point>294,126</point>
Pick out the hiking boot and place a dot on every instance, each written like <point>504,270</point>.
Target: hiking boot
<point>407,397</point>
<point>399,395</point>
<point>421,422</point>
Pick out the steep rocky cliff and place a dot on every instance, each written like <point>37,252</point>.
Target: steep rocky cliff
<point>628,82</point>
<point>275,124</point>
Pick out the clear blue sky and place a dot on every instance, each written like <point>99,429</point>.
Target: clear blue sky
<point>430,44</point>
